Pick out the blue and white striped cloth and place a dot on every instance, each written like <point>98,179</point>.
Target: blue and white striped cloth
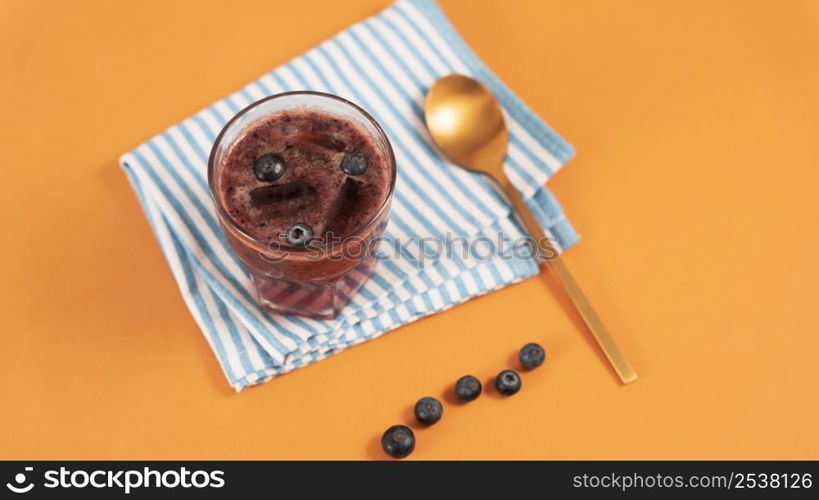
<point>385,64</point>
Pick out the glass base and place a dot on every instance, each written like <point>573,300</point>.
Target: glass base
<point>316,299</point>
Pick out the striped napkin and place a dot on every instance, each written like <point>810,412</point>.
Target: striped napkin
<point>385,64</point>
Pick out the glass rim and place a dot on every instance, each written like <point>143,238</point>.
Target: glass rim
<point>225,216</point>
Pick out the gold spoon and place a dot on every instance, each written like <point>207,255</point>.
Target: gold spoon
<point>466,123</point>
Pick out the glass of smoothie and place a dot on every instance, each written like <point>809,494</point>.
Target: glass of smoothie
<point>302,183</point>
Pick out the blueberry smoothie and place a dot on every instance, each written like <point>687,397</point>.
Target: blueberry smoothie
<point>301,192</point>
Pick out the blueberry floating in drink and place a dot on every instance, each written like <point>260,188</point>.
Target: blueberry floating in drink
<point>269,167</point>
<point>299,235</point>
<point>355,163</point>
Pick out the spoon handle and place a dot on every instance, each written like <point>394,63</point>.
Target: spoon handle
<point>581,303</point>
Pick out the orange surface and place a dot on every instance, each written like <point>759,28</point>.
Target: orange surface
<point>697,130</point>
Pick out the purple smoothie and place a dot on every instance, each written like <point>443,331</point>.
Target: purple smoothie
<point>314,189</point>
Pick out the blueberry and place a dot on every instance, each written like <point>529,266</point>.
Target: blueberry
<point>355,163</point>
<point>507,382</point>
<point>299,234</point>
<point>467,388</point>
<point>398,441</point>
<point>531,356</point>
<point>269,167</point>
<point>428,410</point>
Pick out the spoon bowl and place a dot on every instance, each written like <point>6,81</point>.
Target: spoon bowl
<point>467,123</point>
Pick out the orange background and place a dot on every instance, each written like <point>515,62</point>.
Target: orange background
<point>695,188</point>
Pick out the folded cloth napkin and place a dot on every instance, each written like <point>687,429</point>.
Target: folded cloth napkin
<point>385,64</point>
